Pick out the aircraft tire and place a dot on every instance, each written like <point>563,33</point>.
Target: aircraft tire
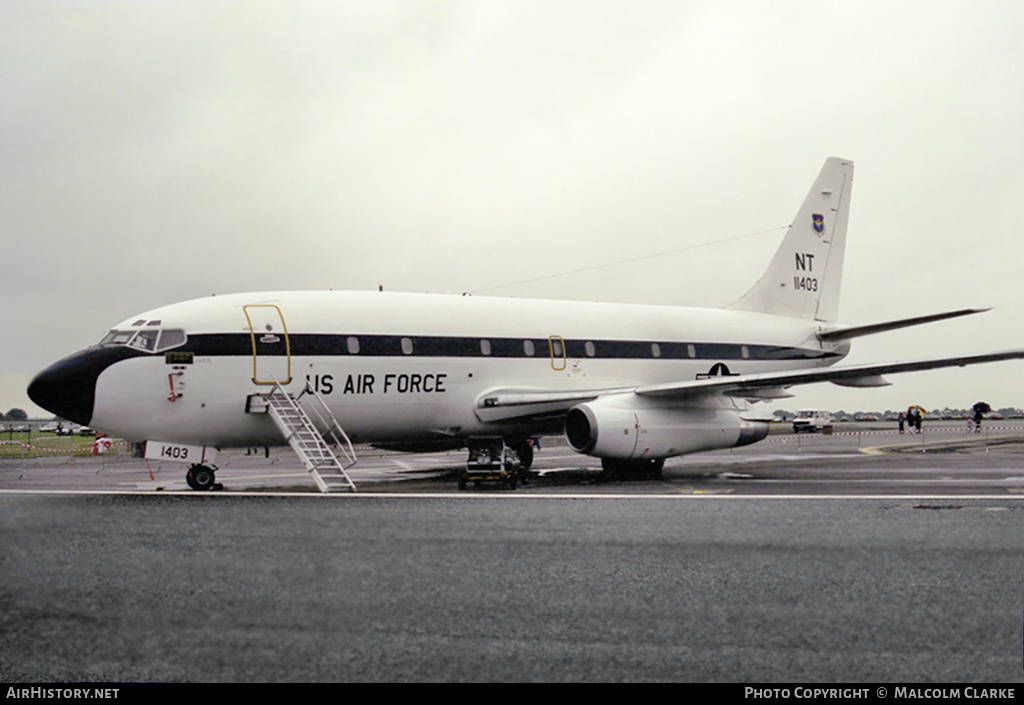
<point>614,469</point>
<point>524,451</point>
<point>656,467</point>
<point>201,477</point>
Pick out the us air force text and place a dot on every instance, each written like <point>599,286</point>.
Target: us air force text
<point>392,383</point>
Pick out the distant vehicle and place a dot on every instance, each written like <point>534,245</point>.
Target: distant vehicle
<point>86,431</point>
<point>812,421</point>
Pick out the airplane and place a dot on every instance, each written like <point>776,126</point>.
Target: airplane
<point>629,384</point>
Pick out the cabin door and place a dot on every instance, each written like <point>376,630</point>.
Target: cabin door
<point>556,345</point>
<point>271,352</point>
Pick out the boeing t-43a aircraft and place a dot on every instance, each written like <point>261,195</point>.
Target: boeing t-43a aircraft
<point>630,384</point>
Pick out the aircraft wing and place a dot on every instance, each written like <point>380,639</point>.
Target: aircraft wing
<point>499,405</point>
<point>507,404</point>
<point>848,376</point>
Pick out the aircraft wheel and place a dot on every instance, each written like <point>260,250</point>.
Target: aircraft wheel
<point>615,469</point>
<point>612,468</point>
<point>201,477</point>
<point>655,467</point>
<point>524,451</point>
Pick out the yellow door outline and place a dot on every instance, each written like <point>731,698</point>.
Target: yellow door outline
<point>269,320</point>
<point>556,345</point>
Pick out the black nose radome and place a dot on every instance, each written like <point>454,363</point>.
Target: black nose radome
<point>68,387</point>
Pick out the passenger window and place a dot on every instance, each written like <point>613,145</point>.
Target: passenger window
<point>353,345</point>
<point>529,348</point>
<point>655,350</point>
<point>407,346</point>
<point>485,347</point>
<point>591,349</point>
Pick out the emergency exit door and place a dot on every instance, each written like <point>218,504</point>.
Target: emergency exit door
<point>271,352</point>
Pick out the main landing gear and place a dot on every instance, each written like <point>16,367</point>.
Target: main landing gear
<point>202,478</point>
<point>497,461</point>
<point>614,469</point>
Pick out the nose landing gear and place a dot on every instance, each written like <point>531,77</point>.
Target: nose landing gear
<point>202,478</point>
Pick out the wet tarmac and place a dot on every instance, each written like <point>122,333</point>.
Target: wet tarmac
<point>856,460</point>
<point>801,559</point>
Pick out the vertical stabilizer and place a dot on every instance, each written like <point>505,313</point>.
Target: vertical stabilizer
<point>803,278</point>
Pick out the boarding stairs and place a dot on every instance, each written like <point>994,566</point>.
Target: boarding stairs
<point>312,438</point>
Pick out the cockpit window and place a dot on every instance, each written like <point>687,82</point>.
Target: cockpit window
<point>150,340</point>
<point>117,337</point>
<point>145,340</point>
<point>171,338</point>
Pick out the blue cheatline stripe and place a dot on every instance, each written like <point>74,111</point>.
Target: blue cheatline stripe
<point>320,344</point>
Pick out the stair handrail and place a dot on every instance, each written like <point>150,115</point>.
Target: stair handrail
<point>334,430</point>
<point>345,447</point>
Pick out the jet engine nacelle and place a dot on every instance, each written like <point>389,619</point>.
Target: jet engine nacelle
<point>632,427</point>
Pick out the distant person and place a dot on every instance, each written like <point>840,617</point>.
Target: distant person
<point>914,418</point>
<point>102,444</point>
<point>978,416</point>
<point>901,419</point>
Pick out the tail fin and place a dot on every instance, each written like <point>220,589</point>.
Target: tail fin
<point>803,278</point>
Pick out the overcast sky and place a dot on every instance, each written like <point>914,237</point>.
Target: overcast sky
<point>159,151</point>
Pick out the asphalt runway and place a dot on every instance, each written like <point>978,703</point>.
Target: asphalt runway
<point>796,560</point>
<point>857,460</point>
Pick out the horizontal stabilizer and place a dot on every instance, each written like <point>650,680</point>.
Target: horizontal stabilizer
<point>857,331</point>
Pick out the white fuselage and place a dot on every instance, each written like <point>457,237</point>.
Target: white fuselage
<point>407,368</point>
